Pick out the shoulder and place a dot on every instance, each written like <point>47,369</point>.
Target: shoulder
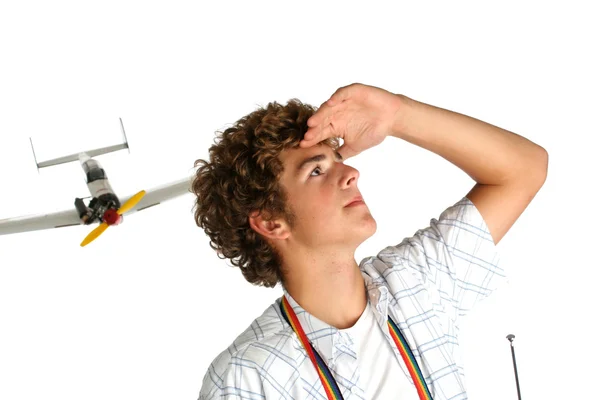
<point>453,263</point>
<point>241,366</point>
<point>459,233</point>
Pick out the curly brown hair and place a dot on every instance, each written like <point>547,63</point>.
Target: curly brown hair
<point>243,176</point>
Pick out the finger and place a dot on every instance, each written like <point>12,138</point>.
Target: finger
<point>340,95</point>
<point>336,116</point>
<point>312,136</point>
<point>308,138</point>
<point>330,116</point>
<point>326,114</point>
<point>346,152</point>
<point>317,117</point>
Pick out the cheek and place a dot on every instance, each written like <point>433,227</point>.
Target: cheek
<point>315,204</point>
<point>324,204</point>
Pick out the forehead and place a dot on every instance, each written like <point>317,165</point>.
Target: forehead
<point>298,153</point>
<point>294,157</point>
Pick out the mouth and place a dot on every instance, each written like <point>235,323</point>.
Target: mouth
<point>355,202</point>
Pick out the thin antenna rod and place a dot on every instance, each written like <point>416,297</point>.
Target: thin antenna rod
<point>510,338</point>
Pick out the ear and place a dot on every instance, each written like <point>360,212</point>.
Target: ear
<point>275,229</point>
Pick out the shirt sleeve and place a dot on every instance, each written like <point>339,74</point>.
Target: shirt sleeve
<point>231,380</point>
<point>455,256</point>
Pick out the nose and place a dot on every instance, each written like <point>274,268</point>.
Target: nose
<point>350,176</point>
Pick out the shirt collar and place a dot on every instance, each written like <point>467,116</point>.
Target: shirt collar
<point>326,338</point>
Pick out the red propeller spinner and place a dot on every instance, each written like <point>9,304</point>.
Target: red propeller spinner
<point>112,217</point>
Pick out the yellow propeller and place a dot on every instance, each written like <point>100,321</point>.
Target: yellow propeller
<point>94,234</point>
<point>128,205</point>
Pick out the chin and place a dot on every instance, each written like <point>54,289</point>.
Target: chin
<point>368,229</point>
<point>373,229</point>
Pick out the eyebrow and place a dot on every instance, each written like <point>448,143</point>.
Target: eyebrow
<point>317,158</point>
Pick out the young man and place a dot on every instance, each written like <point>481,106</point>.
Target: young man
<point>384,329</point>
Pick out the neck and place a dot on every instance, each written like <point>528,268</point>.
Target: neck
<point>336,298</point>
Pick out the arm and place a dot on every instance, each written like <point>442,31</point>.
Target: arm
<point>509,169</point>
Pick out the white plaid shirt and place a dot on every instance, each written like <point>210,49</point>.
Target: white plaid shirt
<point>426,284</point>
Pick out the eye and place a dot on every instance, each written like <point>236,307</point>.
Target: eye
<point>317,168</point>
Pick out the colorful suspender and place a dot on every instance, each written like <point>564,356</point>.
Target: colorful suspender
<point>330,385</point>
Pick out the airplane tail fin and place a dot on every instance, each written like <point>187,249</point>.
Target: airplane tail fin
<point>91,153</point>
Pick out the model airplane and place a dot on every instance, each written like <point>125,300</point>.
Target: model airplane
<point>104,207</point>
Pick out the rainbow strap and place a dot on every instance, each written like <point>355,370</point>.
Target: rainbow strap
<point>329,384</point>
<point>409,360</point>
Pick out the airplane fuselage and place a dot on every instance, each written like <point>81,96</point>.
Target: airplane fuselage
<point>97,181</point>
<point>104,203</point>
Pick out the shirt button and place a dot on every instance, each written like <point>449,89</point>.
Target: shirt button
<point>354,390</point>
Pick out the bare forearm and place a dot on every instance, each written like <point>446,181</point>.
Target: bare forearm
<point>488,154</point>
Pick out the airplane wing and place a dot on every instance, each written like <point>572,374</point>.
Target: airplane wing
<point>36,222</point>
<point>70,217</point>
<point>160,194</point>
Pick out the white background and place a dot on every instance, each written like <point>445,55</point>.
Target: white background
<point>142,311</point>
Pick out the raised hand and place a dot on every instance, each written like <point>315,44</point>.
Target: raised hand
<point>362,115</point>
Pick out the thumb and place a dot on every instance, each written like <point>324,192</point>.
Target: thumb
<point>346,152</point>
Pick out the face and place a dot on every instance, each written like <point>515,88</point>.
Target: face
<point>319,186</point>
